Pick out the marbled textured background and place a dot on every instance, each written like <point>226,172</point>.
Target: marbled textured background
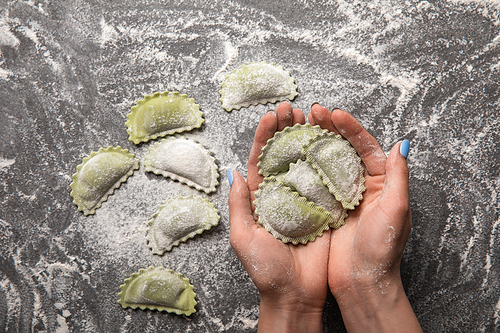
<point>428,71</point>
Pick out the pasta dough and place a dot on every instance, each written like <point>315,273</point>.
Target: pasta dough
<point>256,83</point>
<point>99,175</point>
<point>162,114</point>
<point>304,179</point>
<point>339,166</point>
<point>287,215</point>
<point>311,176</point>
<point>183,160</point>
<point>285,147</point>
<point>179,219</point>
<point>157,288</point>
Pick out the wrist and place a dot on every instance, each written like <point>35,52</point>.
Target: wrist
<point>380,306</point>
<point>278,316</point>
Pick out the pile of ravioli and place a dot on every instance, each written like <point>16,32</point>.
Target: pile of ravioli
<point>312,177</point>
<point>304,192</point>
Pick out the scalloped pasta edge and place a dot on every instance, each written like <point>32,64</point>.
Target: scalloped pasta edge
<point>150,237</point>
<point>285,239</point>
<point>290,96</point>
<point>310,158</point>
<point>77,200</point>
<point>141,271</point>
<point>134,109</point>
<point>341,221</point>
<point>167,174</point>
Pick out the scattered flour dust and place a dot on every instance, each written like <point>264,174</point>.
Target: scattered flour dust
<point>231,53</point>
<point>118,227</point>
<point>63,326</point>
<point>7,38</point>
<point>249,323</point>
<point>243,319</point>
<point>108,33</point>
<point>497,312</point>
<point>5,163</point>
<point>12,300</point>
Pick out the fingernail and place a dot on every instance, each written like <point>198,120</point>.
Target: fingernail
<point>230,177</point>
<point>313,104</point>
<point>404,149</point>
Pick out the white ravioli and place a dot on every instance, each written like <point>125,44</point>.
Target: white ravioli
<point>183,160</point>
<point>179,219</point>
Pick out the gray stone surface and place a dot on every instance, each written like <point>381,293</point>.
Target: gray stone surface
<point>71,70</point>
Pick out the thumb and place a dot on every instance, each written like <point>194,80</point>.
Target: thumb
<point>396,196</point>
<point>397,173</point>
<point>241,221</point>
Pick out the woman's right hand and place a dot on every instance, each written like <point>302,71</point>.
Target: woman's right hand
<point>365,253</point>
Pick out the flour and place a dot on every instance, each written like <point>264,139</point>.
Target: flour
<point>63,326</point>
<point>109,33</point>
<point>12,301</point>
<point>82,69</point>
<point>7,38</point>
<point>231,54</point>
<point>5,163</point>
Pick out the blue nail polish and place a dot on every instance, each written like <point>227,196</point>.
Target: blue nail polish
<point>404,149</point>
<point>230,177</point>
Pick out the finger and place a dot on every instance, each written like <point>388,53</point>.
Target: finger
<point>366,145</point>
<point>284,112</point>
<point>311,119</point>
<point>396,186</point>
<point>321,116</point>
<point>395,198</point>
<point>298,117</point>
<point>265,130</point>
<point>241,221</point>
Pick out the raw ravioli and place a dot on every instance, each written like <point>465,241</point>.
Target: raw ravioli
<point>99,175</point>
<point>339,166</point>
<point>304,179</point>
<point>157,288</point>
<point>162,114</point>
<point>285,148</point>
<point>257,83</point>
<point>183,160</point>
<point>179,219</point>
<point>287,215</point>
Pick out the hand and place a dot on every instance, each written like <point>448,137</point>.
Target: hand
<point>365,254</point>
<point>291,279</point>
